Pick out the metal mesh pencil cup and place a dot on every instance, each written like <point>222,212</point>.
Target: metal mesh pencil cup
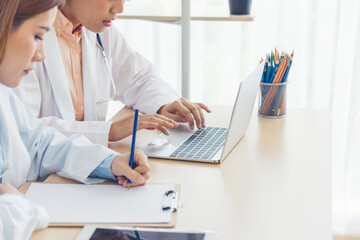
<point>272,100</point>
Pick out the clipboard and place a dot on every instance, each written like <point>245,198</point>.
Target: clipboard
<point>169,203</point>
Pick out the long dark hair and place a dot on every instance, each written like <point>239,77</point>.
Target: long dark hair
<point>14,12</point>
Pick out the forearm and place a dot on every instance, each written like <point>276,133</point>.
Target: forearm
<point>52,152</point>
<point>19,217</point>
<point>150,95</point>
<point>96,131</point>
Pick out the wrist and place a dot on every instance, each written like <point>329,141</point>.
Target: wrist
<point>112,166</point>
<point>111,136</point>
<point>160,109</point>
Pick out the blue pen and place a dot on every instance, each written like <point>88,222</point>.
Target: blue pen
<point>133,143</point>
<point>137,235</point>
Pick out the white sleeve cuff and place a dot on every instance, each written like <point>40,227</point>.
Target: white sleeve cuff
<point>96,131</point>
<point>19,217</point>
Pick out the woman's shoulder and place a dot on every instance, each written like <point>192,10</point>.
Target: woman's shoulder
<point>5,91</point>
<point>8,97</point>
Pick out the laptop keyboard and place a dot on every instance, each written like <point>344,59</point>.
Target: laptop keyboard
<point>202,144</point>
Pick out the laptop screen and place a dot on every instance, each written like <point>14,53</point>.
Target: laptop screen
<point>243,109</point>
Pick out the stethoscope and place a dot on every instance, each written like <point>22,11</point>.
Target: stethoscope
<point>7,167</point>
<point>100,45</point>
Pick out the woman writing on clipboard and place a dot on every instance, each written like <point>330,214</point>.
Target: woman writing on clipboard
<point>30,151</point>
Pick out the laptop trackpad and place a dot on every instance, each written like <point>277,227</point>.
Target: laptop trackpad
<point>164,145</point>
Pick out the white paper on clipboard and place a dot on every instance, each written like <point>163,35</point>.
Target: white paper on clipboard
<point>78,203</point>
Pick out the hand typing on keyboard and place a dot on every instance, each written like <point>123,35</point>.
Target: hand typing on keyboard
<point>182,110</point>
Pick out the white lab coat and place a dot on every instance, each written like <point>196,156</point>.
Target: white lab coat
<point>46,92</point>
<point>19,217</point>
<point>31,152</point>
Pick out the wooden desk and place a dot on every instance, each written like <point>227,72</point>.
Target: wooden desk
<point>276,184</point>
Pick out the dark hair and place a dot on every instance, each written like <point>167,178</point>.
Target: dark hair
<point>14,12</point>
<point>29,8</point>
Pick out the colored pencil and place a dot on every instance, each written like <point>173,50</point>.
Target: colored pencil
<point>276,71</point>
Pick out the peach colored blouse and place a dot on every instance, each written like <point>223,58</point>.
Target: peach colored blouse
<point>70,48</point>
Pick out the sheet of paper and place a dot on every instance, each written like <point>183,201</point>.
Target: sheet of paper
<point>78,203</point>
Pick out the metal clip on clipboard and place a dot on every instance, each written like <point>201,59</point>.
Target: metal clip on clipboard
<point>170,201</point>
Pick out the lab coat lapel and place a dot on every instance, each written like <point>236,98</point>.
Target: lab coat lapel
<point>57,76</point>
<point>89,47</point>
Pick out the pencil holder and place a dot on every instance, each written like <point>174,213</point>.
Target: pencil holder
<point>272,100</point>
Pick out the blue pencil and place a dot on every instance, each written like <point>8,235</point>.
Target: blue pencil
<point>269,68</point>
<point>264,73</point>
<point>133,143</point>
<point>274,72</point>
<point>286,73</point>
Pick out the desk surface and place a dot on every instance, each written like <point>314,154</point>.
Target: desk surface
<point>276,183</point>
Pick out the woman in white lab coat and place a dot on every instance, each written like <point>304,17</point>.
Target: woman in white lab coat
<point>46,90</point>
<point>30,151</point>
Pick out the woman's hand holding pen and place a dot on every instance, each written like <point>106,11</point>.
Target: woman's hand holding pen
<point>182,110</point>
<point>138,175</point>
<point>122,128</point>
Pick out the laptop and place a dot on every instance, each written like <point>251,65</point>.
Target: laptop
<point>210,144</point>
